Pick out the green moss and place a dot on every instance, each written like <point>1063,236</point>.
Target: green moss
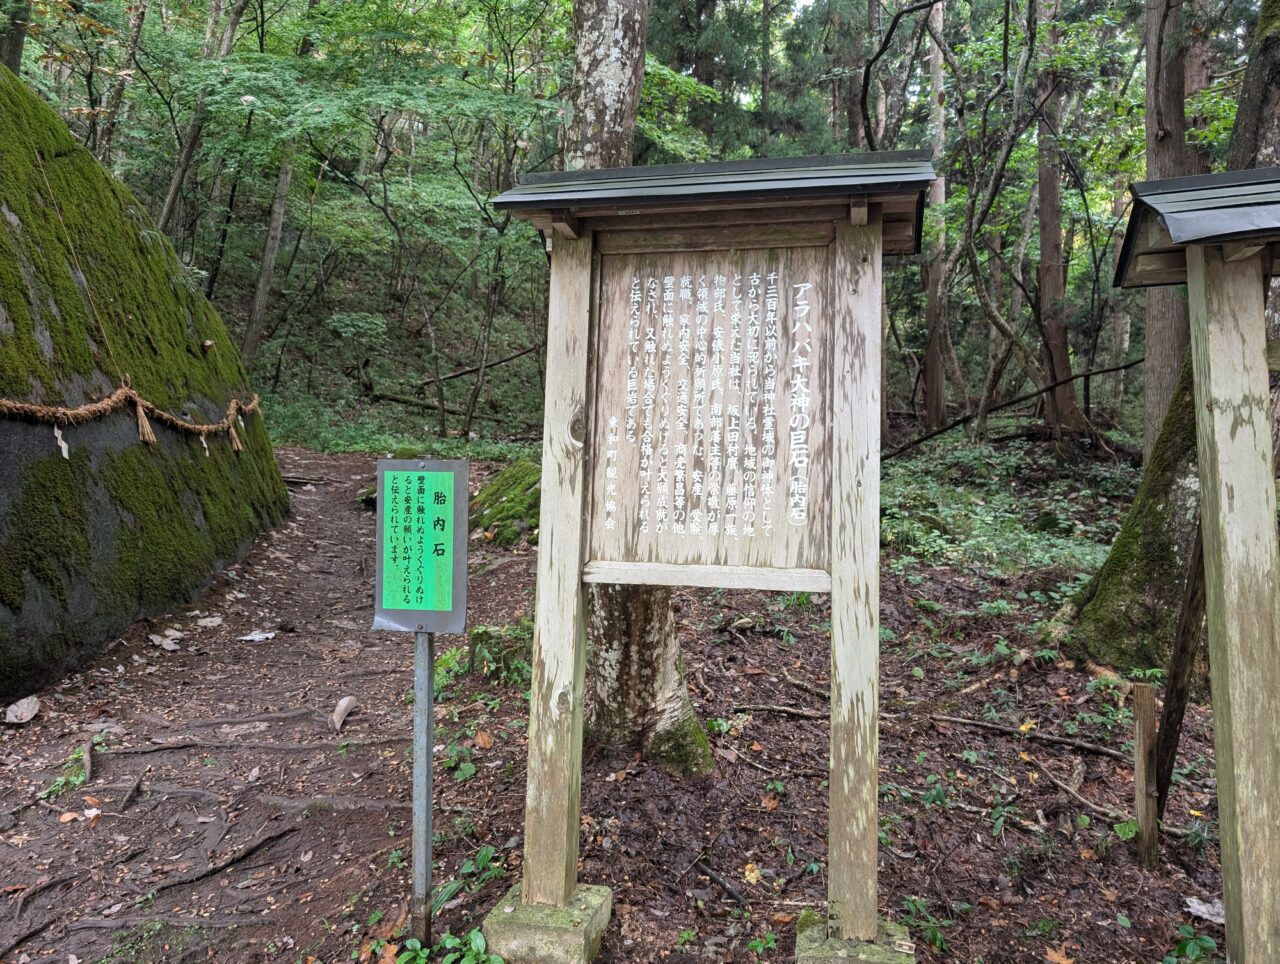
<point>685,748</point>
<point>508,506</point>
<point>46,527</point>
<point>1128,614</point>
<point>61,212</point>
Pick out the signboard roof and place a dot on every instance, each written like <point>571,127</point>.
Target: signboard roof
<point>899,177</point>
<point>1170,214</point>
<point>755,179</point>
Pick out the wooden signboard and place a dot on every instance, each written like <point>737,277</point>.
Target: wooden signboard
<point>712,419</point>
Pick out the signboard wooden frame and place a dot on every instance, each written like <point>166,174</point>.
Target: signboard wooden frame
<point>850,543</point>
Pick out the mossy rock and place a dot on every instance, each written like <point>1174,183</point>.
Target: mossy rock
<point>507,508</point>
<point>91,293</point>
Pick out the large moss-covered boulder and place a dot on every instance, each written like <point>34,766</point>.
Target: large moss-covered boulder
<point>110,529</point>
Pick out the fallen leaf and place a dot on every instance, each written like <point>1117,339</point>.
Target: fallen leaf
<point>781,918</point>
<point>340,713</point>
<point>751,874</point>
<point>1211,910</point>
<point>90,801</point>
<point>1027,727</point>
<point>209,621</point>
<point>756,747</point>
<point>484,740</point>
<point>257,636</point>
<point>68,817</point>
<point>1058,957</point>
<point>22,711</point>
<point>769,802</point>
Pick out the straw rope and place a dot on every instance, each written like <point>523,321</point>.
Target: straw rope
<point>121,398</point>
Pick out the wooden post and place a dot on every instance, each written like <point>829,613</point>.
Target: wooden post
<point>1144,773</point>
<point>559,641</point>
<point>855,580</point>
<point>1242,587</point>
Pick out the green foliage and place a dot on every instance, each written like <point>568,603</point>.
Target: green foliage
<point>1191,946</point>
<point>470,949</point>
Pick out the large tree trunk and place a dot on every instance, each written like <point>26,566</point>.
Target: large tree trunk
<point>116,97</point>
<point>1168,328</point>
<point>14,16</point>
<point>1061,410</point>
<point>191,138</point>
<point>1130,611</point>
<point>270,252</point>
<point>638,688</point>
<point>935,281</point>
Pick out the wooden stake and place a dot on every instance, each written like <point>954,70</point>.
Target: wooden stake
<point>1144,774</point>
<point>1242,586</point>
<point>855,580</point>
<point>559,641</point>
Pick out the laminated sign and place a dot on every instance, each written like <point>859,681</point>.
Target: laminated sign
<point>421,574</point>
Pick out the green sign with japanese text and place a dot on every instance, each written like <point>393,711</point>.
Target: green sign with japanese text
<point>421,549</point>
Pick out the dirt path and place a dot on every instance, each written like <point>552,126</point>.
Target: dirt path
<point>222,819</point>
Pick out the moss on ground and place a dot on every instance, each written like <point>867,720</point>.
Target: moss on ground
<point>91,294</point>
<point>507,508</point>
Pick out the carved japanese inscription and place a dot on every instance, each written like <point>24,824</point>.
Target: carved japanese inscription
<point>710,437</point>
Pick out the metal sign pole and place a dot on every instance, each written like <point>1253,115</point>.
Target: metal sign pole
<point>423,756</point>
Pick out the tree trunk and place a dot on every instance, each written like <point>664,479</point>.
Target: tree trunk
<point>270,251</point>
<point>14,18</point>
<point>637,682</point>
<point>116,97</point>
<point>766,48</point>
<point>934,270</point>
<point>1061,410</point>
<point>191,139</point>
<point>1168,328</point>
<point>1130,610</point>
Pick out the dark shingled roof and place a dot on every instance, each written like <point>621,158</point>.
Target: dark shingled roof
<point>757,179</point>
<point>1203,209</point>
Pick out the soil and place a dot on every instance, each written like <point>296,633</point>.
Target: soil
<point>223,819</point>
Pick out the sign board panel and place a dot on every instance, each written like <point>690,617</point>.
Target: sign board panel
<point>711,433</point>
<point>420,578</point>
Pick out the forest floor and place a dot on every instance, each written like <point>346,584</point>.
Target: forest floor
<point>222,819</point>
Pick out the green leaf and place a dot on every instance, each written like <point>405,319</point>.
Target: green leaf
<point>1126,830</point>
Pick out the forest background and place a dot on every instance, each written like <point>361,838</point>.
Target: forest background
<point>325,171</point>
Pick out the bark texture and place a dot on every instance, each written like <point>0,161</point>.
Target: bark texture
<point>1061,409</point>
<point>14,16</point>
<point>634,666</point>
<point>935,269</point>
<point>1168,330</point>
<point>608,69</point>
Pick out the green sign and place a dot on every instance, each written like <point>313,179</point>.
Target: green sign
<point>421,559</point>
<point>417,541</point>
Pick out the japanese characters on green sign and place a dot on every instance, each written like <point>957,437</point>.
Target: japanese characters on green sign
<point>417,541</point>
<point>421,559</point>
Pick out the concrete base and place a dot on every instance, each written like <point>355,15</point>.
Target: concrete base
<point>891,946</point>
<point>538,934</point>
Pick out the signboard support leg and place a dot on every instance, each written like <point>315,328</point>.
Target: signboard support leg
<point>423,757</point>
<point>549,916</point>
<point>1227,302</point>
<point>851,917</point>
